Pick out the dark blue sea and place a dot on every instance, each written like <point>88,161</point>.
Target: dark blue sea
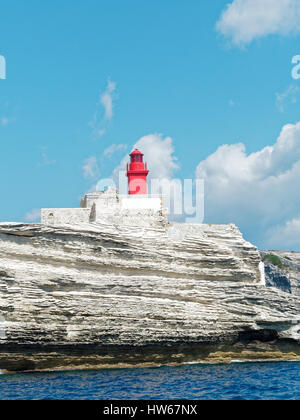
<point>237,381</point>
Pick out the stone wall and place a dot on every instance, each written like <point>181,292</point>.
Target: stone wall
<point>143,218</point>
<point>56,217</point>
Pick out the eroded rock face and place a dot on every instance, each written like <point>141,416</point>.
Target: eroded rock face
<point>103,295</point>
<point>285,274</point>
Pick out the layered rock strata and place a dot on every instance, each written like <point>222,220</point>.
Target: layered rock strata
<point>100,295</point>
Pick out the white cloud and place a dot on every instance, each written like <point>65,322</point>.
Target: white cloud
<point>90,167</point>
<point>257,191</point>
<point>5,121</point>
<point>289,96</point>
<point>33,216</point>
<point>45,159</point>
<point>114,148</point>
<point>107,99</point>
<point>285,236</point>
<point>159,153</point>
<point>245,20</point>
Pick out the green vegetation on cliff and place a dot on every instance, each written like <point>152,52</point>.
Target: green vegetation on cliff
<point>275,260</point>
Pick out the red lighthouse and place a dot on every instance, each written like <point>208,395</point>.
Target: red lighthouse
<point>137,173</point>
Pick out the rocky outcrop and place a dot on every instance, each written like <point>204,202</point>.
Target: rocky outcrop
<point>111,295</point>
<point>282,270</point>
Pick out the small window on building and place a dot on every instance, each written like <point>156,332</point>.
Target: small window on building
<point>51,218</point>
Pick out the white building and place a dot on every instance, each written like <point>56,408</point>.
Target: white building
<point>111,207</point>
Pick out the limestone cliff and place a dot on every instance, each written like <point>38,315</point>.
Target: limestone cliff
<point>105,295</point>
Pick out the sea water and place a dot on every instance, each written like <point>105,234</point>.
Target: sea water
<point>249,381</point>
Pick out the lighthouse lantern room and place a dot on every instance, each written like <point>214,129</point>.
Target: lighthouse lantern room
<point>137,173</point>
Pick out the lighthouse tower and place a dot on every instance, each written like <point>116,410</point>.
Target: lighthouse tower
<point>137,173</point>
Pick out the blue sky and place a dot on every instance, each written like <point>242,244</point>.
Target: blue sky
<point>86,80</point>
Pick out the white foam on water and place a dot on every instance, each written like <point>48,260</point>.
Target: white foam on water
<point>191,363</point>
